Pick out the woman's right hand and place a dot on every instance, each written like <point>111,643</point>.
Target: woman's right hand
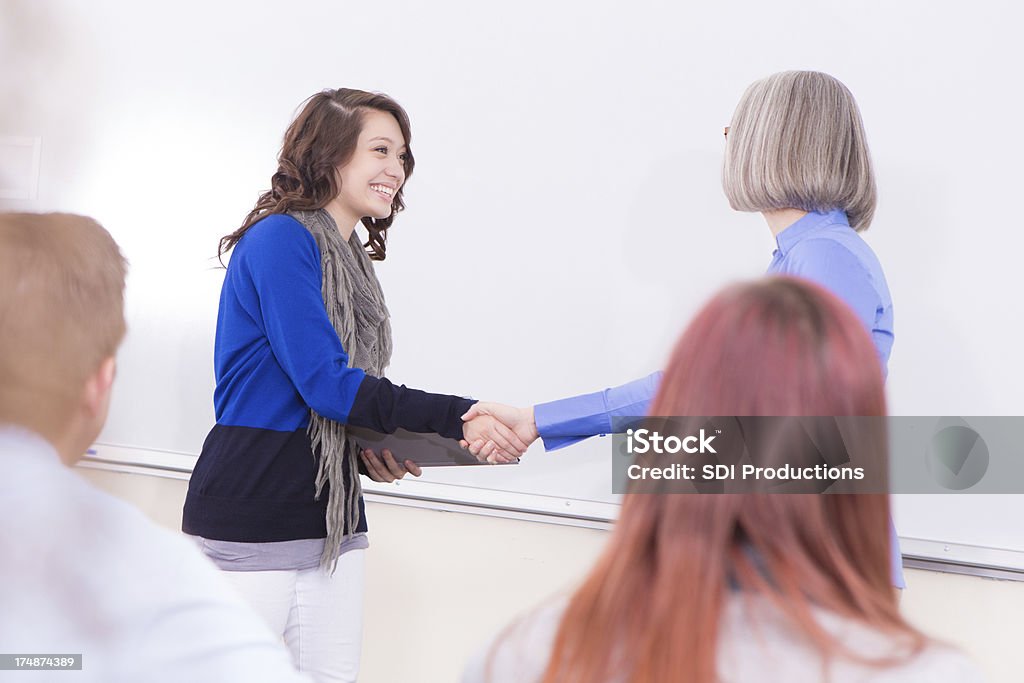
<point>387,469</point>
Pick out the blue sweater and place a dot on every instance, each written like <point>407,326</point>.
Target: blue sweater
<point>276,356</point>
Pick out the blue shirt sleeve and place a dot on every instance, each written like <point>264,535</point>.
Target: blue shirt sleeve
<point>570,420</point>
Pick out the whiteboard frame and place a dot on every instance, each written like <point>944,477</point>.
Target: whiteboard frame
<point>918,553</point>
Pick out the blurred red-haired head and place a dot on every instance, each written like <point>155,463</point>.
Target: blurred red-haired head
<point>778,346</point>
<point>650,610</point>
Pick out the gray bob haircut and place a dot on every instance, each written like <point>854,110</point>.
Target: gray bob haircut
<point>796,141</point>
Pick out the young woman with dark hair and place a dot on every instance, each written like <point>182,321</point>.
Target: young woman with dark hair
<point>700,588</point>
<point>303,340</point>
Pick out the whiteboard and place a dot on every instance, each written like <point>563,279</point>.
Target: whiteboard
<point>565,219</point>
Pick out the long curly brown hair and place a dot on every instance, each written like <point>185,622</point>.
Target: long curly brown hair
<point>321,139</point>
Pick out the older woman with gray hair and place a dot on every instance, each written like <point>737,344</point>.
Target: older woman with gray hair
<point>797,153</point>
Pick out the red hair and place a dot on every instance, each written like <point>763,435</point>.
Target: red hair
<point>650,609</point>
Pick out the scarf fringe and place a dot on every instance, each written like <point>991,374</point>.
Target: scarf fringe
<point>355,306</point>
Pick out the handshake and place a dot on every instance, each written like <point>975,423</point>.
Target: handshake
<point>493,432</point>
<point>497,433</point>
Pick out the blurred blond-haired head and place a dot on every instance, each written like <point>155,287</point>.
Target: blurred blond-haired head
<point>62,281</point>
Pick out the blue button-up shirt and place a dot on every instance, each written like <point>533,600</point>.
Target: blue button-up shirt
<point>821,247</point>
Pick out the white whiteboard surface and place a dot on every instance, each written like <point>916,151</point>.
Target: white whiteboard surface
<point>565,219</point>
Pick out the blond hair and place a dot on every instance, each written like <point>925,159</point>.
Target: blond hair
<point>61,311</point>
<point>796,141</point>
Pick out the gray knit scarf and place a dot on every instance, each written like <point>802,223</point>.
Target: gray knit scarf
<point>355,307</point>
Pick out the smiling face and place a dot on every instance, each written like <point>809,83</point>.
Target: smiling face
<point>373,175</point>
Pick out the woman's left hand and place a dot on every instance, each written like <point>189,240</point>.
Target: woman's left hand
<point>387,469</point>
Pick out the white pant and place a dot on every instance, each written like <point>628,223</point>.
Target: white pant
<point>320,616</point>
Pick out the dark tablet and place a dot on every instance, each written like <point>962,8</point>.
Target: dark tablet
<point>426,450</point>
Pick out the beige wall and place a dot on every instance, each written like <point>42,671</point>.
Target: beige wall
<point>439,583</point>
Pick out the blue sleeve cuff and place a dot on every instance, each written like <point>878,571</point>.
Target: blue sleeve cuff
<point>570,420</point>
